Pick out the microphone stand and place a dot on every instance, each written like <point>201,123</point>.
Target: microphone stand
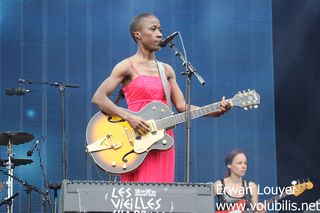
<point>45,198</point>
<point>55,187</point>
<point>62,88</point>
<point>8,201</point>
<point>28,186</point>
<point>22,82</point>
<point>190,70</point>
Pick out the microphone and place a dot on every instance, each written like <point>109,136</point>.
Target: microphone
<point>30,152</point>
<point>17,91</point>
<point>169,38</point>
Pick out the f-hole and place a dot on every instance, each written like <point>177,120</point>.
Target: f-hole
<point>124,157</point>
<point>115,121</point>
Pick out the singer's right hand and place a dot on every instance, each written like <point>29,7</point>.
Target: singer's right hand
<point>140,126</point>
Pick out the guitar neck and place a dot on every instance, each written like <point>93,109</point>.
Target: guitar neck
<point>173,120</point>
<point>276,198</point>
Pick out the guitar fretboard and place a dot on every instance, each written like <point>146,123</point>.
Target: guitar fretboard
<point>173,120</point>
<point>276,198</point>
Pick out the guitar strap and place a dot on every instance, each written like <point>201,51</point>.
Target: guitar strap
<point>119,97</point>
<point>164,81</point>
<point>165,84</point>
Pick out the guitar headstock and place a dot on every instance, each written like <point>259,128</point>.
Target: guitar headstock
<point>299,188</point>
<point>246,99</point>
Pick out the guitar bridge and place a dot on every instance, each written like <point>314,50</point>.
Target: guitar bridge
<point>114,145</point>
<point>103,144</point>
<point>129,135</point>
<point>98,145</point>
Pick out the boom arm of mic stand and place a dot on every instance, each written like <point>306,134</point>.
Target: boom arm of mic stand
<point>190,69</point>
<point>56,84</point>
<point>24,183</point>
<point>22,81</point>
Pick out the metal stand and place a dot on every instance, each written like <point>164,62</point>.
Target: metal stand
<point>45,198</point>
<point>9,139</point>
<point>190,70</point>
<point>62,88</point>
<point>55,188</point>
<point>9,200</point>
<point>9,167</point>
<point>28,186</point>
<point>29,199</point>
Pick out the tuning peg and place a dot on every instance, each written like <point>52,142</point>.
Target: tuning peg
<point>249,90</point>
<point>245,108</point>
<point>255,106</point>
<point>294,182</point>
<point>250,106</point>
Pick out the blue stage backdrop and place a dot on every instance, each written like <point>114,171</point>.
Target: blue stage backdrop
<point>79,41</point>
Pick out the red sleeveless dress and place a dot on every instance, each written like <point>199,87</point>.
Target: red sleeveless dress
<point>158,166</point>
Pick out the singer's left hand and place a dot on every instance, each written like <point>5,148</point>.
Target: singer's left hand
<point>225,106</point>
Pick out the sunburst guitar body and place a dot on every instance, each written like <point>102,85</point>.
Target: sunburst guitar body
<point>115,146</point>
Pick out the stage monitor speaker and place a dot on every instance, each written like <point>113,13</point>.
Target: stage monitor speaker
<point>118,197</point>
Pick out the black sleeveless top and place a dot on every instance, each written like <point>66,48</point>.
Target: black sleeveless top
<point>224,197</point>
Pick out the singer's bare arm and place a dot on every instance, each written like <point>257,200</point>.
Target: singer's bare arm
<point>179,101</point>
<point>121,74</point>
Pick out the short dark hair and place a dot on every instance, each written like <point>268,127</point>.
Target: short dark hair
<point>228,160</point>
<point>135,23</point>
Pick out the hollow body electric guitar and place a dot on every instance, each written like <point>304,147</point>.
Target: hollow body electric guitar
<point>295,190</point>
<point>115,146</point>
